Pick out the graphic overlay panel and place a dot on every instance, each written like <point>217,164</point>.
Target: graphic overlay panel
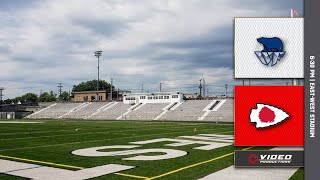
<point>269,116</point>
<point>271,158</point>
<point>312,89</point>
<point>268,47</point>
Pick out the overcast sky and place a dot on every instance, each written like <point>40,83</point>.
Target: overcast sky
<point>176,42</point>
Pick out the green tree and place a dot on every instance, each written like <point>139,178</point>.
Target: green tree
<point>8,101</point>
<point>64,96</point>
<point>91,86</point>
<point>47,97</point>
<point>29,97</point>
<point>43,97</point>
<point>17,99</point>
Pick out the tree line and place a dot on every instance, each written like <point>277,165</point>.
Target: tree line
<point>64,96</point>
<point>33,98</point>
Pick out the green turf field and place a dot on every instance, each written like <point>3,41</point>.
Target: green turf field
<point>50,143</point>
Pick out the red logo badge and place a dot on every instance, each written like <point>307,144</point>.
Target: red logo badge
<point>266,115</point>
<point>269,115</point>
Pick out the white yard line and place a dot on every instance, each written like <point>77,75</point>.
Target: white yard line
<point>38,172</point>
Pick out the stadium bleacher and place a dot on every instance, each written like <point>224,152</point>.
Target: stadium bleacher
<point>146,112</point>
<point>85,111</point>
<point>55,111</point>
<point>190,110</point>
<point>112,112</point>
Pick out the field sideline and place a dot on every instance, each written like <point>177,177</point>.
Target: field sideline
<point>50,143</point>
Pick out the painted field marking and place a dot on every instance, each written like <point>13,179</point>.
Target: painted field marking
<point>64,166</point>
<point>133,176</point>
<point>102,132</point>
<point>40,162</point>
<point>193,165</point>
<point>123,174</point>
<point>79,142</point>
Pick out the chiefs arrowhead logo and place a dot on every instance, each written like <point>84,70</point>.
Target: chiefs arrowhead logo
<point>266,115</point>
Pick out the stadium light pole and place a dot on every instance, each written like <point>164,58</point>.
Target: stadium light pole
<point>98,54</point>
<point>1,89</point>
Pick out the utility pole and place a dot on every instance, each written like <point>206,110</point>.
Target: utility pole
<point>1,89</point>
<point>161,87</point>
<point>60,89</point>
<point>200,88</point>
<point>111,88</point>
<point>142,87</point>
<point>98,54</point>
<point>118,94</point>
<point>204,88</point>
<point>226,86</point>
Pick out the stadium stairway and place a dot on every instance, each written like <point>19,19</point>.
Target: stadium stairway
<point>213,106</point>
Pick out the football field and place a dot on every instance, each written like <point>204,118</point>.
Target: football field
<point>136,150</point>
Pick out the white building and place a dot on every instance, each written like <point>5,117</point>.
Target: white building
<point>159,97</point>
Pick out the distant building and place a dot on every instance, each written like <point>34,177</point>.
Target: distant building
<point>89,96</point>
<point>158,97</point>
<point>85,96</point>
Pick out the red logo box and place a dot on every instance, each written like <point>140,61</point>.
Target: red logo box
<point>288,99</point>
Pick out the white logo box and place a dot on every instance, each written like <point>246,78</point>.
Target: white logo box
<point>246,33</point>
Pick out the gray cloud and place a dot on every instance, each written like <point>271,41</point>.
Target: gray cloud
<point>175,42</point>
